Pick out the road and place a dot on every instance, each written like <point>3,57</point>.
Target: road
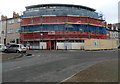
<point>52,66</point>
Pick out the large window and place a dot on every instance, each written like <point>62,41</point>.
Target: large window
<point>17,30</point>
<point>3,22</point>
<point>10,21</point>
<point>19,20</point>
<point>10,31</point>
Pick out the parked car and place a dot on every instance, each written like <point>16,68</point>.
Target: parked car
<point>2,47</point>
<point>119,47</point>
<point>15,48</point>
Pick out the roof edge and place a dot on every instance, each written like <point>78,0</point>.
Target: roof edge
<point>41,5</point>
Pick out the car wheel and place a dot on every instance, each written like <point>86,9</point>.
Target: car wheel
<point>24,51</point>
<point>5,51</point>
<point>17,51</point>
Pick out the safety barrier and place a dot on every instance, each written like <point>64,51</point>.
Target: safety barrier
<point>63,27</point>
<point>61,20</point>
<point>60,35</point>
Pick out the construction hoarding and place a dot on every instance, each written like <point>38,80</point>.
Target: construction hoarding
<point>100,44</point>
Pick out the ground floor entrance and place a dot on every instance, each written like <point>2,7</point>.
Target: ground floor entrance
<point>55,44</point>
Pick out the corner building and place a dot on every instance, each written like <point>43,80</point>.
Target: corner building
<point>60,26</point>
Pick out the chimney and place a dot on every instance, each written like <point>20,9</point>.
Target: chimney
<point>109,25</point>
<point>3,17</point>
<point>15,14</point>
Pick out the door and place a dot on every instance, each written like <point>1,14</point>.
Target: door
<point>51,44</point>
<point>10,48</point>
<point>13,48</point>
<point>48,43</point>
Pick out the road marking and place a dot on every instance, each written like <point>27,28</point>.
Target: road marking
<point>68,78</point>
<point>74,74</point>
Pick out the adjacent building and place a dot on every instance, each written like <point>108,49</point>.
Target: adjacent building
<point>0,32</point>
<point>119,33</point>
<point>60,26</point>
<point>113,32</point>
<point>10,29</point>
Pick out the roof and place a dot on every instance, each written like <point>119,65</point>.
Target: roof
<point>10,18</point>
<point>66,5</point>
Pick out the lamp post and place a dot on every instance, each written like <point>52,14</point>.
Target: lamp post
<point>41,34</point>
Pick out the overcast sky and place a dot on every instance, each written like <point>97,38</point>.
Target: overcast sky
<point>108,7</point>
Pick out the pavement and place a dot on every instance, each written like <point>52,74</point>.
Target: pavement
<point>106,71</point>
<point>7,56</point>
<point>53,66</point>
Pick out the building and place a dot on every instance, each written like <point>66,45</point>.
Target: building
<point>113,32</point>
<point>3,29</point>
<point>0,32</point>
<point>119,33</point>
<point>60,26</point>
<point>10,29</point>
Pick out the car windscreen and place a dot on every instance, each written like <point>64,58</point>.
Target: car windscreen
<point>14,46</point>
<point>7,46</point>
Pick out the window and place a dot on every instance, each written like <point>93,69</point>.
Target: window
<point>28,9</point>
<point>14,46</point>
<point>2,32</point>
<point>36,8</point>
<point>80,41</point>
<point>10,31</point>
<point>42,7</point>
<point>80,29</point>
<point>4,23</point>
<point>10,21</point>
<point>12,41</point>
<point>52,7</point>
<point>116,28</point>
<point>117,34</point>
<point>17,29</point>
<point>19,20</point>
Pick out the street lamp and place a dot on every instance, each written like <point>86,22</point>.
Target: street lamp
<point>41,34</point>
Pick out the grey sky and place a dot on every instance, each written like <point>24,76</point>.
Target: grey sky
<point>108,7</point>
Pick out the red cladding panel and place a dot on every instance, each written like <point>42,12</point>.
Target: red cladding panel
<point>36,20</point>
<point>61,35</point>
<point>26,21</point>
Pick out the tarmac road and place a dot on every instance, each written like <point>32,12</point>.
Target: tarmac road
<point>52,66</point>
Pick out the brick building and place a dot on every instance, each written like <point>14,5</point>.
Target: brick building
<point>113,32</point>
<point>0,32</point>
<point>10,29</point>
